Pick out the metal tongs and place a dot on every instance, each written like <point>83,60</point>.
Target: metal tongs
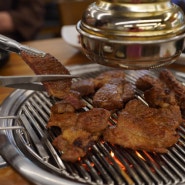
<point>31,82</point>
<point>11,45</point>
<point>26,82</point>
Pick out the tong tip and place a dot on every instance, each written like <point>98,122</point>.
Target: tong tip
<point>32,51</point>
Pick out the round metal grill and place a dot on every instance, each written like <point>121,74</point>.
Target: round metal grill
<point>29,150</point>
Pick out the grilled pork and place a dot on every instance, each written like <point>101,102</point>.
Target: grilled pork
<point>147,82</point>
<point>63,121</point>
<point>159,96</point>
<point>79,131</point>
<point>70,103</point>
<point>107,76</point>
<point>156,92</point>
<point>74,143</point>
<point>174,85</point>
<point>163,91</point>
<point>109,89</point>
<point>90,85</point>
<point>49,65</point>
<point>139,127</point>
<point>114,94</point>
<point>142,128</point>
<point>85,86</point>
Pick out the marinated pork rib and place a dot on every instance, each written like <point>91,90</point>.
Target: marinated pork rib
<point>163,91</point>
<point>107,76</point>
<point>159,97</point>
<point>156,92</point>
<point>89,86</point>
<point>70,103</point>
<point>63,112</point>
<point>49,65</point>
<point>63,121</point>
<point>110,90</point>
<point>147,82</point>
<point>74,143</point>
<point>85,86</point>
<point>142,128</point>
<point>139,127</point>
<point>174,85</point>
<point>79,131</point>
<point>114,94</point>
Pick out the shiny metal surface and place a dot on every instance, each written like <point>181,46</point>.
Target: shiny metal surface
<point>132,34</point>
<point>181,60</point>
<point>28,81</point>
<point>11,45</point>
<point>2,162</point>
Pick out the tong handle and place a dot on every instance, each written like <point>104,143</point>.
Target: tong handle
<point>11,45</point>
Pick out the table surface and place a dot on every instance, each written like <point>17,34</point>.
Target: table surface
<point>67,55</point>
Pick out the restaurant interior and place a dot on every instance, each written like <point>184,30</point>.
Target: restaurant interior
<point>57,14</point>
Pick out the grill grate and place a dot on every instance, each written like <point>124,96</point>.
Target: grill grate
<point>105,163</point>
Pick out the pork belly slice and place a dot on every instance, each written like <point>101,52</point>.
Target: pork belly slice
<point>113,95</point>
<point>142,128</point>
<point>49,65</point>
<point>79,131</point>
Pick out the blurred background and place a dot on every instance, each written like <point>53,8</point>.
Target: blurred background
<point>22,20</point>
<point>68,12</point>
<point>59,13</point>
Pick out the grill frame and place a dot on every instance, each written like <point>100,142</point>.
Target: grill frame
<point>27,164</point>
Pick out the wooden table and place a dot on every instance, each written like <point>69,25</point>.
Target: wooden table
<point>16,66</point>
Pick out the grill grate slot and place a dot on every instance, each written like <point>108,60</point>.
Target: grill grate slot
<point>108,163</point>
<point>105,163</point>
